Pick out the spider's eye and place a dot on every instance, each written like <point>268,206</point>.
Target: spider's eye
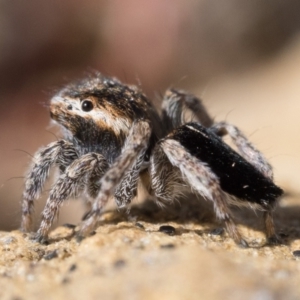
<point>87,105</point>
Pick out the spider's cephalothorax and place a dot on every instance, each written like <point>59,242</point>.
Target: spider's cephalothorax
<point>113,134</point>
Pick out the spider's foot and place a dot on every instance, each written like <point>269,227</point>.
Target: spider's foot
<point>235,235</point>
<point>79,238</point>
<point>87,227</point>
<point>39,238</point>
<point>274,240</point>
<point>86,216</point>
<point>242,244</point>
<point>26,224</point>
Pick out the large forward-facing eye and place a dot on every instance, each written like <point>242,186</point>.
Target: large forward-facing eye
<point>87,105</point>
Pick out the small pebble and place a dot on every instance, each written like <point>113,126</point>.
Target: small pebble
<point>120,263</point>
<point>72,268</point>
<point>50,255</point>
<point>217,231</point>
<point>167,246</point>
<point>65,280</point>
<point>167,229</point>
<point>296,253</point>
<point>137,224</point>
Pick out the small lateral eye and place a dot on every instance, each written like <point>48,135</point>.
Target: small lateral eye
<point>87,105</point>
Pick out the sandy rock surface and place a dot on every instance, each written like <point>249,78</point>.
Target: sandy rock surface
<point>131,256</point>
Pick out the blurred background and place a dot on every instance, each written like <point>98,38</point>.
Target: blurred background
<point>241,57</point>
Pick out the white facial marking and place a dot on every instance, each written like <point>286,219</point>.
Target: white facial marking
<point>118,124</point>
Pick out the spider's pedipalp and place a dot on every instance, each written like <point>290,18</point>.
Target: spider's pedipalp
<point>61,153</point>
<point>135,146</point>
<point>70,183</point>
<point>245,148</point>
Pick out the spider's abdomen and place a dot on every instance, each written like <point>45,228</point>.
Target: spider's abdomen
<point>237,176</point>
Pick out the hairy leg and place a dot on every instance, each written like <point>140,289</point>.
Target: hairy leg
<point>175,105</point>
<point>136,144</point>
<point>166,181</point>
<point>204,181</point>
<point>70,183</point>
<point>272,237</point>
<point>127,188</point>
<point>93,185</point>
<point>254,157</point>
<point>245,148</point>
<point>61,153</point>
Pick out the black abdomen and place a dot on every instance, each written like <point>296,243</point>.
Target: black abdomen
<point>237,176</point>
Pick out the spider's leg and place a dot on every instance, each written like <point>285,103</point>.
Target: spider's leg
<point>93,185</point>
<point>272,237</point>
<point>70,183</point>
<point>135,145</point>
<point>176,106</point>
<point>61,153</point>
<point>254,157</point>
<point>127,188</point>
<point>202,180</point>
<point>245,148</point>
<point>166,182</point>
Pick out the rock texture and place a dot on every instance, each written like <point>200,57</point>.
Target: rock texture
<point>149,253</point>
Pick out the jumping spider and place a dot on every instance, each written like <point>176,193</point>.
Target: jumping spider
<point>113,136</point>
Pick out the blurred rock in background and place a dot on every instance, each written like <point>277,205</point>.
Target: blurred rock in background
<point>242,57</point>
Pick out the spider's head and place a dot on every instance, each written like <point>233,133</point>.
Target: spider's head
<point>97,104</point>
<point>97,113</point>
